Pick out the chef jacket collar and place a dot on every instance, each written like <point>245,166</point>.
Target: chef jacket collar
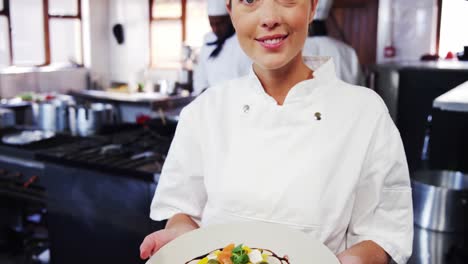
<point>323,72</point>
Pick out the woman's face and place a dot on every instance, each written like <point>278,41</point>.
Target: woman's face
<point>272,32</point>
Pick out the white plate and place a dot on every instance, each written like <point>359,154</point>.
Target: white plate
<point>27,137</point>
<point>299,247</point>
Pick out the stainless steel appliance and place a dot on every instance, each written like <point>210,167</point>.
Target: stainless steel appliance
<point>138,152</point>
<point>99,189</point>
<point>99,192</point>
<point>440,200</point>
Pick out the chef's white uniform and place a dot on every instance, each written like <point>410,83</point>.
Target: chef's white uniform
<point>230,63</point>
<point>329,162</point>
<point>346,60</point>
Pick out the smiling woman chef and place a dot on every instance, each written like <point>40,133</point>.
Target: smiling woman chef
<point>290,144</point>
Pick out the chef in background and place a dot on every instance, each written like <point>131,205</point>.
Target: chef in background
<point>221,58</point>
<point>320,44</point>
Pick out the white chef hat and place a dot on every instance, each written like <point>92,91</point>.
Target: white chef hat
<point>323,9</point>
<point>216,7</point>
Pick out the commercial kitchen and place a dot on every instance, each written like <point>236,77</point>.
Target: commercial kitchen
<point>91,93</point>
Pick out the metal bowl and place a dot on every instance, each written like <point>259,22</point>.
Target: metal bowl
<point>440,200</point>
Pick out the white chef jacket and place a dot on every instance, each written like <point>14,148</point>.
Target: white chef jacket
<point>238,156</point>
<point>346,60</point>
<point>230,63</point>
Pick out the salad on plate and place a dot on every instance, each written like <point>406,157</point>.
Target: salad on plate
<point>240,254</point>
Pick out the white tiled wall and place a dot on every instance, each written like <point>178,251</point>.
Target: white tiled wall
<point>60,81</point>
<point>96,39</point>
<point>411,24</point>
<point>133,55</point>
<point>109,61</point>
<point>12,84</point>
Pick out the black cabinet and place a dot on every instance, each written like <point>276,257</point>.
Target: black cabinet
<point>417,89</point>
<point>96,217</point>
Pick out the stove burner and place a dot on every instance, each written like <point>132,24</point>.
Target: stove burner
<point>112,149</point>
<point>137,151</point>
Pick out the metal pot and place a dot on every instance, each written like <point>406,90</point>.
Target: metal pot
<point>7,118</point>
<point>23,111</point>
<point>52,115</point>
<point>86,120</point>
<point>431,247</point>
<point>440,200</point>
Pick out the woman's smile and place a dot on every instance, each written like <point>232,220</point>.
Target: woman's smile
<point>272,32</point>
<point>272,42</point>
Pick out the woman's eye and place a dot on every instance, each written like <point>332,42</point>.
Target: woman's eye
<point>248,2</point>
<point>288,2</point>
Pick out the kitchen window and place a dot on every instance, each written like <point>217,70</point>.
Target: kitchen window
<point>173,24</point>
<point>51,34</point>
<point>453,34</point>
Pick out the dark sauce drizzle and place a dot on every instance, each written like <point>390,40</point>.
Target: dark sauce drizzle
<point>283,260</point>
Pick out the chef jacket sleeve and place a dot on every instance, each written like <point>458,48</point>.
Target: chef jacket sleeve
<point>200,76</point>
<point>383,210</point>
<point>181,187</point>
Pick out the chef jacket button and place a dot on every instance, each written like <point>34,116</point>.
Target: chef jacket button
<point>318,116</point>
<point>246,108</point>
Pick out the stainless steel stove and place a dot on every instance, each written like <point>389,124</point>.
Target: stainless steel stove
<point>136,152</point>
<point>96,190</point>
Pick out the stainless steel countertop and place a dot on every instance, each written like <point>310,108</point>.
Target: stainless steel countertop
<point>36,69</point>
<point>431,65</point>
<point>454,100</point>
<point>155,100</point>
<point>125,97</point>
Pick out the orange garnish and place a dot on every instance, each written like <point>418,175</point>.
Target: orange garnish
<point>225,257</point>
<point>229,248</point>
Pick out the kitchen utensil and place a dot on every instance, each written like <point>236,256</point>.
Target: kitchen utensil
<point>7,118</point>
<point>52,113</point>
<point>162,86</point>
<point>86,120</point>
<point>440,200</point>
<point>438,247</point>
<point>47,116</point>
<point>23,110</point>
